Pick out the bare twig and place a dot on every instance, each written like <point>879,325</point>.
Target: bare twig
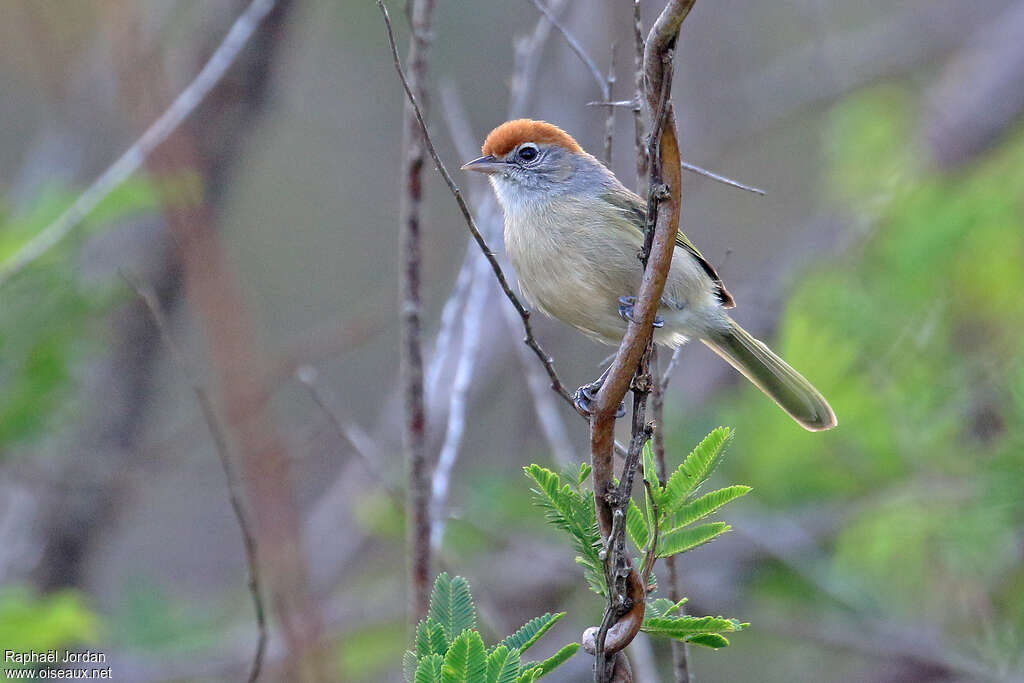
<point>499,273</point>
<point>471,329</point>
<point>361,443</point>
<point>420,14</point>
<point>721,178</point>
<point>149,298</point>
<point>576,47</point>
<point>548,416</point>
<point>680,649</point>
<point>638,98</point>
<point>133,158</point>
<point>609,123</point>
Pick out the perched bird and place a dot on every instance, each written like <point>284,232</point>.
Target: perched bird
<point>573,232</point>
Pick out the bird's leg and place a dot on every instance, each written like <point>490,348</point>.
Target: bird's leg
<point>586,394</point>
<point>626,304</point>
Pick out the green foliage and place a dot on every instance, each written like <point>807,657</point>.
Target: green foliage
<point>47,312</point>
<point>912,329</point>
<point>451,606</point>
<point>450,650</point>
<point>530,632</point>
<point>40,623</point>
<point>672,508</point>
<point>571,510</point>
<point>668,515</point>
<point>693,629</point>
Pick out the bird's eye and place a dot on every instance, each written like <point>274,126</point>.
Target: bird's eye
<point>528,152</point>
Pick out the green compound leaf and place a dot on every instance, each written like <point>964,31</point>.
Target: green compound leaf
<point>708,503</point>
<point>451,605</point>
<point>685,627</point>
<point>680,540</point>
<point>429,669</point>
<point>557,659</point>
<point>712,640</point>
<point>532,630</point>
<point>636,526</point>
<point>466,660</point>
<point>503,665</point>
<point>695,470</point>
<point>409,664</point>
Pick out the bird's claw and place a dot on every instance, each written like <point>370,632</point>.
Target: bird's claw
<point>584,399</point>
<point>626,304</point>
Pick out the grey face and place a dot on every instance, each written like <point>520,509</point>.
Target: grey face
<point>533,171</point>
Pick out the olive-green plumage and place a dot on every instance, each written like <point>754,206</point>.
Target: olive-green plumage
<point>573,232</point>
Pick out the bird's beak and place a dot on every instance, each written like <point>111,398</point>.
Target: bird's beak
<point>486,164</point>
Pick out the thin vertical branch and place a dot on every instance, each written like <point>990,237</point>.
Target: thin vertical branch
<point>420,14</point>
<point>680,649</point>
<point>631,365</point>
<point>220,441</point>
<point>460,130</point>
<point>638,109</point>
<point>530,340</point>
<point>472,322</point>
<point>609,122</point>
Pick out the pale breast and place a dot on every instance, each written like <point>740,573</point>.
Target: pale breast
<point>575,260</point>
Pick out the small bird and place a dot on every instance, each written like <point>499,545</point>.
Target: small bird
<point>573,233</point>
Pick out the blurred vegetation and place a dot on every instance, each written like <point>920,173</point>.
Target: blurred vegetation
<point>33,623</point>
<point>913,331</point>
<point>50,316</point>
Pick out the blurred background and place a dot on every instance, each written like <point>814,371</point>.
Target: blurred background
<point>886,263</point>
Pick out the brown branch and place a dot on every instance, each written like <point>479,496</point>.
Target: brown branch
<point>220,441</point>
<point>499,273</point>
<point>631,364</point>
<point>420,14</point>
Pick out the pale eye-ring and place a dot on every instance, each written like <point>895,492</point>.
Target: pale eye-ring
<point>528,152</point>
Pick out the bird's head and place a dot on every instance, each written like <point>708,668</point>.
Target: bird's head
<point>531,161</point>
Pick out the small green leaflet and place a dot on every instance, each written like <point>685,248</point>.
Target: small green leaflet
<point>503,665</point>
<point>695,470</point>
<point>680,540</point>
<point>466,660</point>
<point>429,670</point>
<point>451,605</point>
<point>528,634</point>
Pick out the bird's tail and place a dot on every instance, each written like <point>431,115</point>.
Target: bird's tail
<point>773,376</point>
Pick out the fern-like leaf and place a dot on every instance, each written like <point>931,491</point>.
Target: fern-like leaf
<point>530,675</point>
<point>684,627</point>
<point>708,503</point>
<point>636,526</point>
<point>694,470</point>
<point>713,640</point>
<point>555,660</point>
<point>409,664</point>
<point>571,511</point>
<point>532,630</point>
<point>662,607</point>
<point>451,605</point>
<point>466,660</point>
<point>503,665</point>
<point>429,669</point>
<point>680,540</point>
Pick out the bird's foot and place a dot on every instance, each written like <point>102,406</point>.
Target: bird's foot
<point>626,304</point>
<point>585,396</point>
